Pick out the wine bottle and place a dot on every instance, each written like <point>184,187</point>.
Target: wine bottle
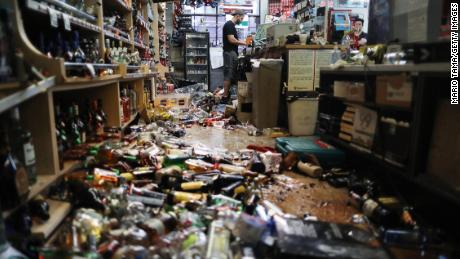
<point>72,128</point>
<point>107,54</point>
<point>22,145</point>
<point>80,124</point>
<point>14,183</point>
<point>68,54</point>
<point>377,212</point>
<point>133,99</point>
<point>78,55</point>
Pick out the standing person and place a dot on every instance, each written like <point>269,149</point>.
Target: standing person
<point>231,43</point>
<point>357,36</point>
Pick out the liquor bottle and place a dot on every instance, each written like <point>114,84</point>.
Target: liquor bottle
<point>78,55</point>
<point>73,128</point>
<point>22,145</point>
<point>133,99</point>
<point>219,240</point>
<point>256,164</point>
<point>68,54</point>
<point>107,54</point>
<point>62,141</point>
<point>59,46</point>
<point>97,120</point>
<point>126,105</point>
<point>14,183</point>
<point>81,125</point>
<point>106,154</point>
<point>376,212</point>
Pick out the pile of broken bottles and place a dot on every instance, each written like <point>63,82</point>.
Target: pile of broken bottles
<point>152,195</point>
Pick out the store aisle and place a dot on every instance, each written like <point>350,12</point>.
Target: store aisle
<point>292,192</point>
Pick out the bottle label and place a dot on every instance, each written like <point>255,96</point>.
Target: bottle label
<point>83,137</point>
<point>369,206</point>
<point>22,182</point>
<point>29,154</point>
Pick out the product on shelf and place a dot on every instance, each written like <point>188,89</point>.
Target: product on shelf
<point>14,183</point>
<point>21,144</point>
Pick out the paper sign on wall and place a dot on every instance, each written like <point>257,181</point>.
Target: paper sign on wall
<point>301,70</point>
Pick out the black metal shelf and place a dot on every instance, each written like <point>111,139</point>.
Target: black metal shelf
<point>383,68</point>
<point>421,117</point>
<point>372,105</point>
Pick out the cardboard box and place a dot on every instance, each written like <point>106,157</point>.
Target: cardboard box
<point>355,92</point>
<point>352,91</point>
<point>172,100</point>
<point>364,126</point>
<point>394,90</point>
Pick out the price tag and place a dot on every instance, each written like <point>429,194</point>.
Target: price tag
<point>53,17</point>
<point>66,19</point>
<point>91,69</point>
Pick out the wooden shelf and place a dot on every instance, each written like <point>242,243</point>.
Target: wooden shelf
<point>82,83</point>
<point>44,181</point>
<point>133,117</point>
<point>115,31</point>
<point>95,65</point>
<point>144,24</point>
<point>116,37</point>
<point>365,154</point>
<point>58,211</point>
<point>43,8</point>
<point>298,46</point>
<point>71,9</point>
<point>70,165</point>
<point>9,86</point>
<point>25,94</point>
<point>140,45</point>
<point>134,76</point>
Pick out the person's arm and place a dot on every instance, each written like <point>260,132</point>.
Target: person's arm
<point>363,39</point>
<point>231,38</point>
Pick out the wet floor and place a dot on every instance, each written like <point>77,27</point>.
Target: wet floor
<point>292,192</point>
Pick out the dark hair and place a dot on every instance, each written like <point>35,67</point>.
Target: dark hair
<point>359,20</point>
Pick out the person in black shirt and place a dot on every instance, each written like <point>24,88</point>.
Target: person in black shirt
<point>357,37</point>
<point>231,42</point>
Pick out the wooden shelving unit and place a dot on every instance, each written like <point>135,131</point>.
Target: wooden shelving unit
<point>36,102</point>
<point>58,211</point>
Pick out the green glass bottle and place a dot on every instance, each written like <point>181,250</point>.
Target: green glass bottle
<point>72,128</point>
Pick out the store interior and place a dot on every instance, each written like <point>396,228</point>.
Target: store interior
<point>229,129</point>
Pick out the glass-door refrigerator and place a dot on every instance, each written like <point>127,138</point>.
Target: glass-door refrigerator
<point>196,57</point>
